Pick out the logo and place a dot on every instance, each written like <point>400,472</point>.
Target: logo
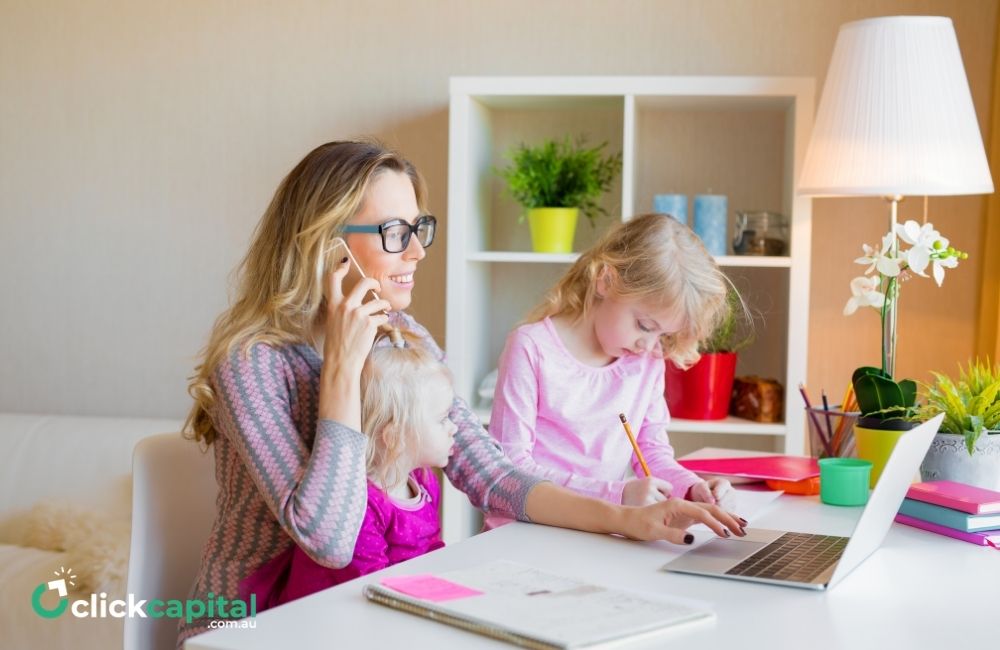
<point>63,575</point>
<point>221,611</point>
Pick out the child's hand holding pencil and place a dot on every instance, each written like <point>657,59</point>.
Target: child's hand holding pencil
<point>647,490</point>
<point>717,491</point>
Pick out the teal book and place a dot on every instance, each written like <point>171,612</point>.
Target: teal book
<point>947,517</point>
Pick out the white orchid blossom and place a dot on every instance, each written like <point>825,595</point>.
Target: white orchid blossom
<point>881,290</point>
<point>880,259</point>
<point>925,241</point>
<point>915,234</point>
<point>940,265</point>
<point>865,293</point>
<point>927,248</point>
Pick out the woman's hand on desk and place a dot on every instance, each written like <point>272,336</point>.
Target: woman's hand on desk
<point>669,520</point>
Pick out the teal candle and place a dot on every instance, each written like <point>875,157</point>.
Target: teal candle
<point>711,221</point>
<point>676,205</point>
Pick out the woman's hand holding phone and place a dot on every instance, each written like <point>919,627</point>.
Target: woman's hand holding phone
<point>350,326</point>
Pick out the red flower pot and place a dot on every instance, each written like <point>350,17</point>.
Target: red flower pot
<point>703,391</point>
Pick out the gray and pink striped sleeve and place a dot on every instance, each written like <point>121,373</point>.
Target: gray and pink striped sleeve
<point>318,496</point>
<point>478,467</point>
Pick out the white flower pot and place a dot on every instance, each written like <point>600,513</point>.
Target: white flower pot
<point>948,459</point>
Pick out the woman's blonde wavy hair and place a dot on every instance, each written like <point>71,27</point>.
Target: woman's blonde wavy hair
<point>395,388</point>
<point>279,284</point>
<point>656,260</point>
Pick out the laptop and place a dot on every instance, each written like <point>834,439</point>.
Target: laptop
<point>808,560</point>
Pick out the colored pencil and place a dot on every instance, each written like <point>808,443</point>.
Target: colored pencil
<point>635,445</point>
<point>812,415</point>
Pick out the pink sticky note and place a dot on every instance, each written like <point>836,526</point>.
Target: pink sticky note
<point>429,587</point>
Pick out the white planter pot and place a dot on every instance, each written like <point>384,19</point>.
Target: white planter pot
<point>948,459</point>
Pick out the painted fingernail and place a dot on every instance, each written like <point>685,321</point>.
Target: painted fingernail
<point>689,539</point>
<point>743,521</point>
<point>725,531</point>
<point>343,261</point>
<point>743,531</point>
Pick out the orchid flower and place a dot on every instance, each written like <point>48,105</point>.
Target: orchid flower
<point>925,241</point>
<point>941,264</point>
<point>865,293</point>
<point>880,259</point>
<point>881,289</point>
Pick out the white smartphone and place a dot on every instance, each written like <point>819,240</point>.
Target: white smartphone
<point>337,251</point>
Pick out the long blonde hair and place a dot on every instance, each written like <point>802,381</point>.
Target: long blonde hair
<point>394,387</point>
<point>650,258</point>
<point>279,290</point>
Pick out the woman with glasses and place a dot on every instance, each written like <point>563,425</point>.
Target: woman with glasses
<point>277,393</point>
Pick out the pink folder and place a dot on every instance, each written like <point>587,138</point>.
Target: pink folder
<point>957,496</point>
<point>782,468</point>
<point>982,537</point>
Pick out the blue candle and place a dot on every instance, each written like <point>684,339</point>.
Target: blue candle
<point>676,205</point>
<point>711,221</point>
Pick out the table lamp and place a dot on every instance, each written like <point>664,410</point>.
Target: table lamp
<point>895,118</point>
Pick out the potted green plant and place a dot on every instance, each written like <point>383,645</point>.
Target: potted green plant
<point>702,392</point>
<point>887,406</point>
<point>554,182</point>
<point>967,446</point>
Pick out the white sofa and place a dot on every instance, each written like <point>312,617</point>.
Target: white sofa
<point>82,461</point>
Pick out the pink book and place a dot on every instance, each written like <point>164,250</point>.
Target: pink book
<point>782,468</point>
<point>957,496</point>
<point>981,538</point>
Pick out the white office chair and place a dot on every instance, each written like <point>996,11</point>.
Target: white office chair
<point>173,506</point>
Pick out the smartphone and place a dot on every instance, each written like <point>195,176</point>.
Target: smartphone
<point>337,251</point>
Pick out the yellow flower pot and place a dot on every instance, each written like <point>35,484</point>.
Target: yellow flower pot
<point>876,445</point>
<point>552,229</point>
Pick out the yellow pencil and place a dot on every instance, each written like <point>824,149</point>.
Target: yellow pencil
<point>635,445</point>
<point>845,407</point>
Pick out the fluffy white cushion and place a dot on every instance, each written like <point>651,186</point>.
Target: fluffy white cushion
<point>21,570</point>
<point>94,543</point>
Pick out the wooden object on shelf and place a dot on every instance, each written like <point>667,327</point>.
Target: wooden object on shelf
<point>758,399</point>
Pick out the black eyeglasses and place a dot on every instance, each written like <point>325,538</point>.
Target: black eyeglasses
<point>396,233</point>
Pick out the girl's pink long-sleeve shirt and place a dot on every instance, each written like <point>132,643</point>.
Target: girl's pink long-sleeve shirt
<point>557,418</point>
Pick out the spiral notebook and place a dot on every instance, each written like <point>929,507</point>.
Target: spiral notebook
<point>536,609</point>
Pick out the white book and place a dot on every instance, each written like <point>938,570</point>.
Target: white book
<point>536,609</point>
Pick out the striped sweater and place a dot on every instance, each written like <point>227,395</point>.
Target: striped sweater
<point>286,477</point>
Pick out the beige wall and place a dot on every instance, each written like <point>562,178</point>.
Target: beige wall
<point>140,141</point>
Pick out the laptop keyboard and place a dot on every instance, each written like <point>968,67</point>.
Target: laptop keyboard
<point>796,557</point>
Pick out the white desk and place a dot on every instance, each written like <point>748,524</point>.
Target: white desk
<point>919,590</point>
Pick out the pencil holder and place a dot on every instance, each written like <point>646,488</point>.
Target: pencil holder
<point>831,432</point>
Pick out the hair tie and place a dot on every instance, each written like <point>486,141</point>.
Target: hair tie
<point>396,338</point>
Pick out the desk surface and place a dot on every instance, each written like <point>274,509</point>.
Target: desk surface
<point>919,590</point>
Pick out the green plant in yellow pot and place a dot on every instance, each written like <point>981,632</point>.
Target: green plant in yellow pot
<point>889,407</point>
<point>554,182</point>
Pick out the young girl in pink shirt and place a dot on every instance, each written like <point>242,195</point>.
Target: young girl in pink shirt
<point>406,397</point>
<point>595,348</point>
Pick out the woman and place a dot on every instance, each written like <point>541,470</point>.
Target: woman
<point>278,392</point>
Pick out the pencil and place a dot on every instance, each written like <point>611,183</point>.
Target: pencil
<point>845,408</point>
<point>815,420</point>
<point>829,423</point>
<point>635,445</point>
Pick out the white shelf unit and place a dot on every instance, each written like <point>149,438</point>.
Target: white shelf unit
<point>740,136</point>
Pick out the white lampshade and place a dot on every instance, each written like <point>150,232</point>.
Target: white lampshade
<point>896,115</point>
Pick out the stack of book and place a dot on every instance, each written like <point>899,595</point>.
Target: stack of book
<point>965,512</point>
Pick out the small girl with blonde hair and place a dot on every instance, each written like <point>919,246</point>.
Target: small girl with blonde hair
<point>406,398</point>
<point>594,348</point>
